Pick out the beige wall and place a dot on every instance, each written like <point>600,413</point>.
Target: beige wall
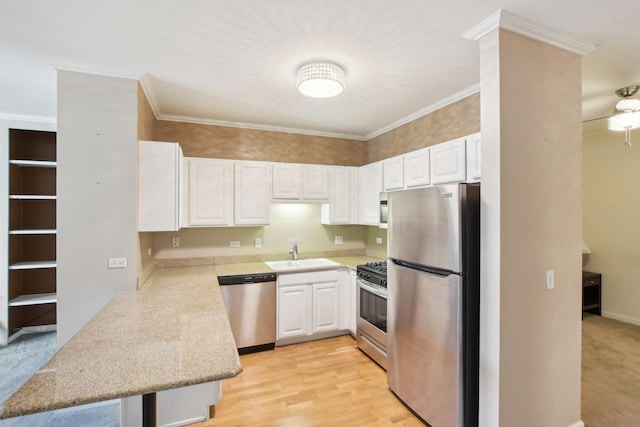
<point>455,120</point>
<point>146,123</point>
<point>290,223</point>
<point>531,223</point>
<point>612,220</point>
<point>97,207</point>
<point>198,140</point>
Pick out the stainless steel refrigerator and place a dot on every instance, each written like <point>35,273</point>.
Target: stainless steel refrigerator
<point>434,302</point>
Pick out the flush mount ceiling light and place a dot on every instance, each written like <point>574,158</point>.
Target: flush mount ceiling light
<point>320,79</point>
<point>629,118</point>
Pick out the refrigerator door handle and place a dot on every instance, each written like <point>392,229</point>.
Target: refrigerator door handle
<point>441,272</point>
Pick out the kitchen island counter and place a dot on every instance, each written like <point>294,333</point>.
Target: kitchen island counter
<point>172,333</point>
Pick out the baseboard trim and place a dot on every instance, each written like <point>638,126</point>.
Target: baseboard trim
<point>621,318</point>
<point>578,424</point>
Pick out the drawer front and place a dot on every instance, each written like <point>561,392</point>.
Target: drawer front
<point>590,281</point>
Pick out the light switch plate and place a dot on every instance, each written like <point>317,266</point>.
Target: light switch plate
<point>258,242</point>
<point>234,244</point>
<point>379,240</point>
<point>339,240</point>
<point>550,279</point>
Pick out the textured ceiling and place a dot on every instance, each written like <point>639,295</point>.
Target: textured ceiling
<point>234,62</point>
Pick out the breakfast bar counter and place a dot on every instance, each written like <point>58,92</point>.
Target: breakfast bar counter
<point>172,333</point>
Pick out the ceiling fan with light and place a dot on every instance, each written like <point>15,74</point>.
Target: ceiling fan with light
<point>627,115</point>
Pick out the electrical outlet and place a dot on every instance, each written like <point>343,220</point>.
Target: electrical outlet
<point>338,240</point>
<point>175,242</point>
<point>234,244</point>
<point>117,262</point>
<point>550,279</point>
<point>258,242</point>
<point>379,240</point>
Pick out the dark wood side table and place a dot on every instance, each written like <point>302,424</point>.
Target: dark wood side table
<point>591,293</point>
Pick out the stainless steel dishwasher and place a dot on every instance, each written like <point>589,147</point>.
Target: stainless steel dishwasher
<point>250,301</point>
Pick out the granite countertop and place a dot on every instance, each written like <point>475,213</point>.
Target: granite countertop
<point>172,333</point>
<point>261,267</point>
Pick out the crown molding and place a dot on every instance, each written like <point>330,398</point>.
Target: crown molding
<point>424,111</point>
<point>147,89</point>
<point>26,118</point>
<point>259,127</point>
<point>509,21</point>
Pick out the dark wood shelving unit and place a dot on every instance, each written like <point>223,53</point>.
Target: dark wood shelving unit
<point>591,293</point>
<point>32,231</point>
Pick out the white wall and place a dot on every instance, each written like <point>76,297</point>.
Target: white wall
<point>531,222</point>
<point>612,220</point>
<point>97,194</point>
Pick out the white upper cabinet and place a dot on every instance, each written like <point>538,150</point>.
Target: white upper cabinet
<point>448,162</point>
<point>370,187</point>
<point>286,181</point>
<point>315,182</point>
<point>159,180</point>
<point>393,174</point>
<point>252,193</point>
<point>210,192</point>
<point>343,196</point>
<point>298,182</point>
<point>417,168</point>
<point>474,160</point>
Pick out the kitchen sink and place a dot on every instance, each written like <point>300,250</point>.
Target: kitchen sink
<point>301,263</point>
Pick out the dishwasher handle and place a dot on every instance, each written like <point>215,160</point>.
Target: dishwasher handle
<point>246,278</point>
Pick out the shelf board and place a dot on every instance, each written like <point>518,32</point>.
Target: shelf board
<point>32,265</point>
<point>32,197</point>
<point>34,163</point>
<point>33,299</point>
<point>33,231</point>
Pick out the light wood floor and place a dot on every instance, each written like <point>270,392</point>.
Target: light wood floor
<point>320,383</point>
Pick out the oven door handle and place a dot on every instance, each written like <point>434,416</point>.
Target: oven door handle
<point>379,292</point>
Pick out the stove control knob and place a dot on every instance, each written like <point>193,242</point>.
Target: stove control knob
<point>368,276</point>
<point>383,282</point>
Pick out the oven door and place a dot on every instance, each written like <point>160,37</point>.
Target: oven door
<point>372,312</point>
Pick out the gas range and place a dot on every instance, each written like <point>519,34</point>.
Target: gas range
<point>373,272</point>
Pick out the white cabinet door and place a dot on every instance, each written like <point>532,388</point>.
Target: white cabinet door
<point>159,186</point>
<point>315,182</point>
<point>474,159</point>
<point>326,307</point>
<point>416,168</point>
<point>343,196</point>
<point>448,162</point>
<point>294,311</point>
<point>286,181</point>
<point>210,192</point>
<point>252,193</point>
<point>370,187</point>
<point>393,174</point>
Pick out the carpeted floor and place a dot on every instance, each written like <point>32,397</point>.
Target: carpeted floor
<point>610,373</point>
<point>20,360</point>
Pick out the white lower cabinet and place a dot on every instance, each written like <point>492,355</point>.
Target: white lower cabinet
<point>309,306</point>
<point>326,307</point>
<point>294,308</point>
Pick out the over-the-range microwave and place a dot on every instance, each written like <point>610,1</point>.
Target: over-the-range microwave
<point>384,211</point>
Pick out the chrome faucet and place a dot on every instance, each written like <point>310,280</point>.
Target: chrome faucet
<point>294,251</point>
